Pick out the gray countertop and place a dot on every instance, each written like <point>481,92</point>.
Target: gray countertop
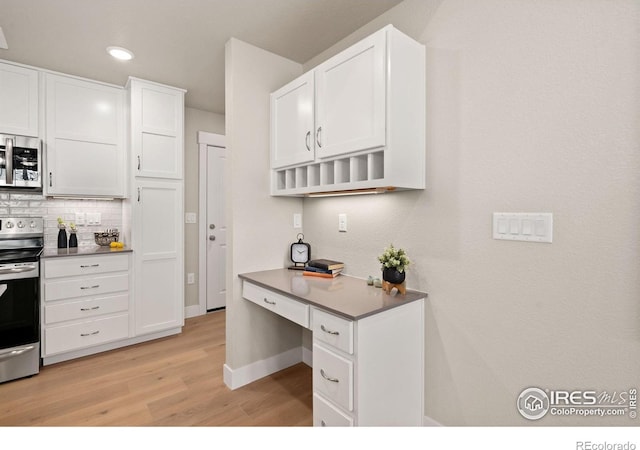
<point>343,295</point>
<point>82,251</point>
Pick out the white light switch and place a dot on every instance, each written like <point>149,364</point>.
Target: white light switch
<point>190,217</point>
<point>532,227</point>
<point>297,220</point>
<point>342,222</point>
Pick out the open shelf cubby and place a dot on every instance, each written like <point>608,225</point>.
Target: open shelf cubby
<point>342,171</point>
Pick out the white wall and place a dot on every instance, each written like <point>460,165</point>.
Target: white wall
<point>194,120</point>
<point>533,106</point>
<point>261,225</point>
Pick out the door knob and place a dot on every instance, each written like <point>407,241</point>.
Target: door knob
<point>212,238</point>
<point>212,226</point>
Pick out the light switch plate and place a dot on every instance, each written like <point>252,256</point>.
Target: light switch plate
<point>297,220</point>
<point>342,222</point>
<point>531,227</point>
<point>190,217</point>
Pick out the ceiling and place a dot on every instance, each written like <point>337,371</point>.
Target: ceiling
<point>175,42</point>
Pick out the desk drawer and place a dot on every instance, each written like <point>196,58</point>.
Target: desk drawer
<point>84,265</point>
<point>327,415</point>
<point>333,377</point>
<point>332,330</point>
<point>286,307</point>
<point>65,338</point>
<point>80,287</point>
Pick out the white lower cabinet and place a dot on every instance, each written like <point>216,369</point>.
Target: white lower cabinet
<point>366,372</point>
<point>85,302</point>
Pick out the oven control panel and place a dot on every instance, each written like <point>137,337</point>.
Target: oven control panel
<point>12,226</point>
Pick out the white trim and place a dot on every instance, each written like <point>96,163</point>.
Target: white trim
<point>429,422</point>
<point>235,378</point>
<point>307,356</point>
<point>192,311</point>
<point>205,140</point>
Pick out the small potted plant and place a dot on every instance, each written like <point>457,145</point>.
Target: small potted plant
<point>394,262</point>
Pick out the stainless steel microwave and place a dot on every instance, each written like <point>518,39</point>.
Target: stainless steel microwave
<point>20,162</point>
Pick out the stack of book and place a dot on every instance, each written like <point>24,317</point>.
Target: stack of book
<point>325,268</point>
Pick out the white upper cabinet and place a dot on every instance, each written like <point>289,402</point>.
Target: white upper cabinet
<point>18,100</point>
<point>157,121</point>
<point>350,99</point>
<point>85,138</point>
<point>292,125</point>
<point>368,120</point>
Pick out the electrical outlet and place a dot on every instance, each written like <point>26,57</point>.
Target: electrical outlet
<point>190,217</point>
<point>94,218</point>
<point>191,278</point>
<point>79,218</point>
<point>342,222</point>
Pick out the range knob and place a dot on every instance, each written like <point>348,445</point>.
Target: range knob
<point>20,224</point>
<point>33,224</point>
<point>10,225</point>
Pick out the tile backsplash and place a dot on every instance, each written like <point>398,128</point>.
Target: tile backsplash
<point>37,205</point>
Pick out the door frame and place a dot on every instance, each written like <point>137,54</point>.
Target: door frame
<point>205,139</point>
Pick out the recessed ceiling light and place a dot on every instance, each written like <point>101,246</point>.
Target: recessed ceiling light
<point>120,53</point>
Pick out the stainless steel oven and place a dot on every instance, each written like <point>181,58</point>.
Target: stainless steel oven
<point>20,162</point>
<point>21,243</point>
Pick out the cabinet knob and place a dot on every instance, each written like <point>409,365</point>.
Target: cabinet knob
<point>212,238</point>
<point>212,226</point>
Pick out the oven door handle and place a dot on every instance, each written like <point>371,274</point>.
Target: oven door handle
<point>17,270</point>
<point>8,165</point>
<point>16,352</point>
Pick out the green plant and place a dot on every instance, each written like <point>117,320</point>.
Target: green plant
<point>394,258</point>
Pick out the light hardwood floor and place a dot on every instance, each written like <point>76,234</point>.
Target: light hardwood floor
<point>174,381</point>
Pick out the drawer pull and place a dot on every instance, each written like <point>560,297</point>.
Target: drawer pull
<point>90,309</point>
<point>328,378</point>
<point>89,334</point>
<point>336,333</point>
<point>90,287</point>
<point>268,301</point>
<point>89,265</point>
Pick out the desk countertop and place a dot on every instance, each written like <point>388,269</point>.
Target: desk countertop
<point>343,295</point>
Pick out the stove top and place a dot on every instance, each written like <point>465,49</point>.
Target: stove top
<point>21,239</point>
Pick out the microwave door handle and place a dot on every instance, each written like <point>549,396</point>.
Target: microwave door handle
<point>8,156</point>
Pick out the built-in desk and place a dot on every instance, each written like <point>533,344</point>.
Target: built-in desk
<point>368,346</point>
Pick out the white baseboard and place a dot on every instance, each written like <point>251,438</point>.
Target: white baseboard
<point>192,311</point>
<point>307,356</point>
<point>429,422</point>
<point>235,378</point>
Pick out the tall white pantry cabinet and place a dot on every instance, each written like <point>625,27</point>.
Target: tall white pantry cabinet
<point>156,204</point>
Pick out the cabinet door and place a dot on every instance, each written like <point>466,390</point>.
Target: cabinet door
<point>351,100</point>
<point>157,130</point>
<point>85,138</point>
<point>158,241</point>
<point>19,100</point>
<point>292,140</point>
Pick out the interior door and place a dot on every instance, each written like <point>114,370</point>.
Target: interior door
<point>216,228</point>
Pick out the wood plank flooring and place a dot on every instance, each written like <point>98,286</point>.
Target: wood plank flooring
<point>174,381</point>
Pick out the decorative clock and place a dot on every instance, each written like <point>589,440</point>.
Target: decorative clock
<point>300,253</point>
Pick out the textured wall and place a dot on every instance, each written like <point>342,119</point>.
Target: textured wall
<point>532,106</point>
